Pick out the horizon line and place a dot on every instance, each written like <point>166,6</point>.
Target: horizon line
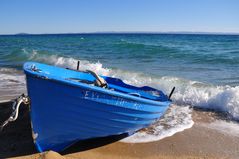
<point>132,32</point>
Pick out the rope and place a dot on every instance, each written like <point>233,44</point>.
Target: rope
<point>15,107</point>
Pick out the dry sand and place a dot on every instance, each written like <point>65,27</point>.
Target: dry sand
<point>196,142</point>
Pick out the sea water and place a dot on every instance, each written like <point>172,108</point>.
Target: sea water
<point>203,68</point>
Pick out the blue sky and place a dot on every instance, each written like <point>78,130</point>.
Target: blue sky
<point>76,16</point>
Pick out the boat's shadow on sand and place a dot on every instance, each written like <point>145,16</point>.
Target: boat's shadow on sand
<point>16,138</point>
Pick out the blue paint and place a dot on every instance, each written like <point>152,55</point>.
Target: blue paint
<point>64,111</point>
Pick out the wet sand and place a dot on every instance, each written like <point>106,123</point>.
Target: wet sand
<point>196,142</point>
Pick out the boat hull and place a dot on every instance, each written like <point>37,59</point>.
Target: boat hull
<point>62,114</point>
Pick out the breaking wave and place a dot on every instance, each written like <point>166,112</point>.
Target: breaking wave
<point>193,93</point>
<point>187,93</point>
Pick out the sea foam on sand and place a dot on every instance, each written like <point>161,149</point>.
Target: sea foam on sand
<point>187,93</point>
<point>177,119</point>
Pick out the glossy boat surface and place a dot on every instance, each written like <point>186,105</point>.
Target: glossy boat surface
<point>67,107</point>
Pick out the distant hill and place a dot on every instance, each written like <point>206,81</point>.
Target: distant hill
<point>22,34</point>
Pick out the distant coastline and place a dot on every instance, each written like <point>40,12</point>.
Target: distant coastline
<point>127,32</point>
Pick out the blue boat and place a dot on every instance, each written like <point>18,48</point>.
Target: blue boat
<point>67,106</point>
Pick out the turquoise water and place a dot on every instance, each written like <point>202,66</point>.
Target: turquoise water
<point>204,68</point>
<point>207,58</point>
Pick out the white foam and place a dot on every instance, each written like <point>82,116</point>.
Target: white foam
<point>196,94</point>
<point>219,98</point>
<point>67,62</point>
<point>193,93</point>
<point>177,119</point>
<point>12,83</point>
<point>11,76</point>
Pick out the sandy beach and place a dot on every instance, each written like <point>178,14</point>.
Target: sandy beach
<point>200,141</point>
<point>161,77</point>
